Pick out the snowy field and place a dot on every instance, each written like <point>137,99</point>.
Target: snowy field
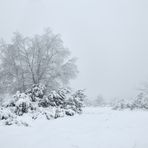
<point>95,128</point>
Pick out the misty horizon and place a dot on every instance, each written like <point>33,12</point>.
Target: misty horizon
<point>109,38</point>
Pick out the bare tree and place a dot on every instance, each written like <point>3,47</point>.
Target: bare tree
<point>40,59</point>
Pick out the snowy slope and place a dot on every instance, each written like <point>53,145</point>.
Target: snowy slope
<point>95,128</point>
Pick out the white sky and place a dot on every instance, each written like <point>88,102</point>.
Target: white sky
<point>110,38</point>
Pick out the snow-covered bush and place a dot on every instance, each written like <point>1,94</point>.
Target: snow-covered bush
<point>22,103</point>
<point>6,113</point>
<point>77,101</point>
<point>139,102</point>
<point>64,99</point>
<point>120,104</point>
<point>35,103</point>
<point>8,117</point>
<point>57,98</point>
<point>37,91</point>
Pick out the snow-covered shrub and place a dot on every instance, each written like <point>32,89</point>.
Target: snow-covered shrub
<point>22,103</point>
<point>78,99</point>
<point>120,104</point>
<point>37,91</point>
<point>139,102</point>
<point>15,121</point>
<point>66,99</point>
<point>6,113</point>
<point>19,104</point>
<point>7,117</point>
<point>36,103</point>
<point>59,112</point>
<point>56,98</point>
<point>44,102</point>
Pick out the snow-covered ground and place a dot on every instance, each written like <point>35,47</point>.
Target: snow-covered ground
<point>95,128</point>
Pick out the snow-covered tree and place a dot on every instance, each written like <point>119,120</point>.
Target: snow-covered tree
<point>33,60</point>
<point>99,101</point>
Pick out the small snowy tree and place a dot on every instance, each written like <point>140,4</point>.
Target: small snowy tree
<point>99,101</point>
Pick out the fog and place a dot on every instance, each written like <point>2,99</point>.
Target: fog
<point>110,38</point>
